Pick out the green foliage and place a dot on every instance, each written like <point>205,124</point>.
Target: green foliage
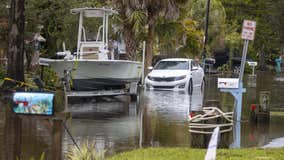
<point>50,79</point>
<point>267,14</point>
<point>199,154</point>
<point>138,19</point>
<point>87,152</point>
<point>217,20</point>
<point>58,24</point>
<point>224,68</point>
<point>2,74</point>
<point>248,68</point>
<point>194,37</point>
<point>42,157</point>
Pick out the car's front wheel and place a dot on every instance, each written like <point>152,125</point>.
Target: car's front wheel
<point>202,85</point>
<point>190,87</point>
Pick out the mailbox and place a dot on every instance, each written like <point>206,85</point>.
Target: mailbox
<point>228,83</point>
<point>252,63</point>
<point>33,103</point>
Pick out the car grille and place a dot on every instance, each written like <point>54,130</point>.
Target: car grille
<point>166,79</point>
<point>163,87</point>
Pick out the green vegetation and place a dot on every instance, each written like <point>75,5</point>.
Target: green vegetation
<point>199,154</point>
<point>87,152</point>
<point>173,28</point>
<point>42,157</point>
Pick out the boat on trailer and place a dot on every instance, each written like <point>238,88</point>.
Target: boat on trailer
<point>92,66</point>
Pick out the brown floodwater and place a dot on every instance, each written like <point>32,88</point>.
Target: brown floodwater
<point>159,119</point>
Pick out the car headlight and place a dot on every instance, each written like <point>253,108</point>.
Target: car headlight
<point>180,78</point>
<point>150,78</point>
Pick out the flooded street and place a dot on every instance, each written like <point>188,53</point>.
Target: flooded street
<point>158,119</point>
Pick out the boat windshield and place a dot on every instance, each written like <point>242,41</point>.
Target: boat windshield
<point>172,65</point>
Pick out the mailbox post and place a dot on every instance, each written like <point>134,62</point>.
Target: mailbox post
<point>235,86</point>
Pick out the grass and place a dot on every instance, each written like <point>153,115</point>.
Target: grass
<point>277,113</point>
<point>199,154</point>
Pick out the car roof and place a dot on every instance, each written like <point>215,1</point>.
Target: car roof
<point>176,59</point>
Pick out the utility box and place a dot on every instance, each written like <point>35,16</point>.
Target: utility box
<point>232,83</point>
<point>264,101</point>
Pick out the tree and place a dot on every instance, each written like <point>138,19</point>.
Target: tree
<point>217,20</point>
<point>131,19</point>
<point>267,14</point>
<point>15,68</point>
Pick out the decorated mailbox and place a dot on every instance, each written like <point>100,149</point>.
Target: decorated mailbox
<point>228,83</point>
<point>33,103</point>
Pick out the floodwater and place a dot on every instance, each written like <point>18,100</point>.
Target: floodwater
<point>160,119</point>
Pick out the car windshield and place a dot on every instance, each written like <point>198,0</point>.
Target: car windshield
<point>172,65</point>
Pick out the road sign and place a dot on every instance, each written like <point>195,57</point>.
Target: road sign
<point>248,30</point>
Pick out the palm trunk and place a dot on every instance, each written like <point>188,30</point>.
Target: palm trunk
<point>149,48</point>
<point>16,41</point>
<point>130,44</point>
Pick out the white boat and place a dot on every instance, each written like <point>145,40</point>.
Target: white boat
<point>93,67</point>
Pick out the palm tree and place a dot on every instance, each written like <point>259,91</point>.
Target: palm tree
<point>15,68</point>
<point>144,14</point>
<point>131,19</point>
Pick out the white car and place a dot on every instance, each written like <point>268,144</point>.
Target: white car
<point>175,74</point>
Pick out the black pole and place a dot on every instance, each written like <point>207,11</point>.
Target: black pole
<point>206,29</point>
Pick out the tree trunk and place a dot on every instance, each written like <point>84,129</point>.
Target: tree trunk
<point>262,64</point>
<point>16,42</point>
<point>130,43</point>
<point>149,48</point>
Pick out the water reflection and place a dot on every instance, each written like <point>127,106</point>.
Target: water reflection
<point>116,124</point>
<point>172,106</point>
<point>112,123</point>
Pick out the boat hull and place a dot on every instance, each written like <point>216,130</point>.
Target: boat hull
<point>97,74</point>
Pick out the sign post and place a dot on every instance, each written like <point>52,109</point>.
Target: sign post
<point>248,33</point>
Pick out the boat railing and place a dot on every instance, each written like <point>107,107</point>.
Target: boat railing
<point>99,32</point>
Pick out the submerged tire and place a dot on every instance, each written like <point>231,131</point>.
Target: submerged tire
<point>202,85</point>
<point>135,97</point>
<point>190,87</point>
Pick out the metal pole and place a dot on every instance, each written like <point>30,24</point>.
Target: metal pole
<point>236,135</point>
<point>143,62</point>
<point>107,31</point>
<point>104,27</point>
<point>141,129</point>
<point>206,29</point>
<point>79,35</point>
<point>244,57</point>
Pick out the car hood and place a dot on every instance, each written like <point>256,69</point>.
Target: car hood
<point>168,73</point>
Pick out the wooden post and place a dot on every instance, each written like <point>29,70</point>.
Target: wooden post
<point>18,135</point>
<point>57,139</point>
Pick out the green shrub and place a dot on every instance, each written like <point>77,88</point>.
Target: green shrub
<point>87,152</point>
<point>224,68</point>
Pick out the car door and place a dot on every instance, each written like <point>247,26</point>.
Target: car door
<point>194,73</point>
<point>200,74</point>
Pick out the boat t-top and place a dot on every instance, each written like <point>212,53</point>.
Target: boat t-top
<point>93,66</point>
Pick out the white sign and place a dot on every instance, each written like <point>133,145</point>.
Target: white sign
<point>252,63</point>
<point>213,145</point>
<point>248,30</point>
<point>228,83</point>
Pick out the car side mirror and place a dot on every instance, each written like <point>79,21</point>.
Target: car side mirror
<point>150,68</point>
<point>194,68</point>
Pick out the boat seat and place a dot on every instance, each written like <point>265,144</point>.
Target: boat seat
<point>90,53</point>
<point>90,56</point>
